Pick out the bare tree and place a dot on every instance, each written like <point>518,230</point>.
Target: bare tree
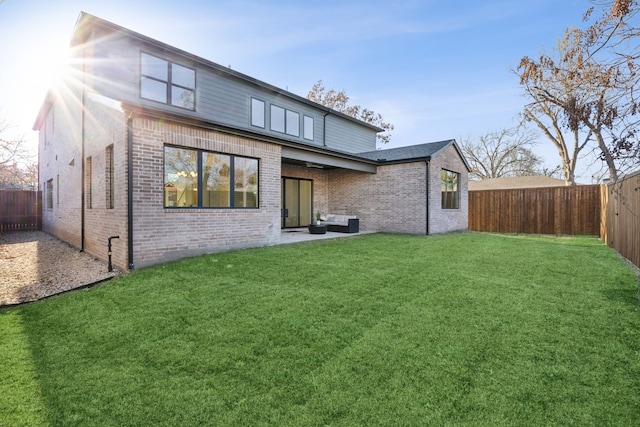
<point>591,84</point>
<point>505,153</point>
<point>339,101</point>
<point>18,171</point>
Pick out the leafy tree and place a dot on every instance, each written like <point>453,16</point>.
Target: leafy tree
<point>505,153</point>
<point>339,101</point>
<point>17,169</point>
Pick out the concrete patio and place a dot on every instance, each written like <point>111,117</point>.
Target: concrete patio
<point>295,235</point>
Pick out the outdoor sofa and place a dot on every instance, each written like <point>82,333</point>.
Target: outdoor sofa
<point>342,223</point>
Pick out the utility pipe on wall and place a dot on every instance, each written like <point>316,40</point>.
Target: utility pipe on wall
<point>109,251</point>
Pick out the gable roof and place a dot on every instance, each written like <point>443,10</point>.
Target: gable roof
<point>535,181</point>
<point>413,153</point>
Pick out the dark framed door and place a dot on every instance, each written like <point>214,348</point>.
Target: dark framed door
<point>297,199</point>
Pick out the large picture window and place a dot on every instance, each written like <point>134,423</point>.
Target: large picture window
<point>450,183</point>
<point>167,82</point>
<point>202,179</point>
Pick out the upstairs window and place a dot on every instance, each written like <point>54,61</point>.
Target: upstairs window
<point>257,113</point>
<point>277,118</point>
<point>167,82</point>
<point>450,183</point>
<point>308,128</point>
<point>293,123</point>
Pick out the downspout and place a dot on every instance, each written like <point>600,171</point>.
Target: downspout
<point>324,128</point>
<point>130,190</point>
<point>82,150</point>
<point>426,162</point>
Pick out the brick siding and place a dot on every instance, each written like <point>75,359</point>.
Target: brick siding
<point>164,234</point>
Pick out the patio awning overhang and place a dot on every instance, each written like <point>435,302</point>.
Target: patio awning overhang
<point>321,160</point>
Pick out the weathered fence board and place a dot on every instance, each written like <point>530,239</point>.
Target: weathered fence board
<point>20,210</point>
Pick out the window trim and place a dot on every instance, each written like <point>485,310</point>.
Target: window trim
<point>170,84</point>
<point>200,175</point>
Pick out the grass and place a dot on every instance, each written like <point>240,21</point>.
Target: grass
<point>463,329</point>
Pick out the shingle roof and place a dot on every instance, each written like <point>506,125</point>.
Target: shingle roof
<point>420,151</point>
<point>536,181</point>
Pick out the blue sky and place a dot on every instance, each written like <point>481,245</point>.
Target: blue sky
<point>436,69</point>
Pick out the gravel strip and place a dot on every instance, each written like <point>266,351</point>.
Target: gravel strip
<point>34,265</point>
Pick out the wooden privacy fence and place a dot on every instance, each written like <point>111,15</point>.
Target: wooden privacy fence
<point>620,227</point>
<point>20,210</point>
<point>554,210</point>
<point>611,212</point>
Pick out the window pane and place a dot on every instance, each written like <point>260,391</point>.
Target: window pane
<point>154,67</point>
<point>308,128</point>
<point>293,123</point>
<point>49,192</point>
<point>277,118</point>
<point>245,182</point>
<point>153,90</point>
<point>449,185</point>
<point>182,97</point>
<point>257,112</point>
<point>216,171</point>
<point>183,76</point>
<point>180,177</point>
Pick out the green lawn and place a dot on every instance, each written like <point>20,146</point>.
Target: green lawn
<point>375,330</point>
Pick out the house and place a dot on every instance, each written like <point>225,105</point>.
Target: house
<point>506,183</point>
<point>179,156</point>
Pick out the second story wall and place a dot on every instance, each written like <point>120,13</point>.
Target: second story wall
<point>129,67</point>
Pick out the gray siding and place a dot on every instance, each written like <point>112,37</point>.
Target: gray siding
<point>220,97</point>
<point>343,135</point>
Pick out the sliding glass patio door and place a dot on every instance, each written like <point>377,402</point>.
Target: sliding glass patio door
<point>297,209</point>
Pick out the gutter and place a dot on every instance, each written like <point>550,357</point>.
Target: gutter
<point>130,191</point>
